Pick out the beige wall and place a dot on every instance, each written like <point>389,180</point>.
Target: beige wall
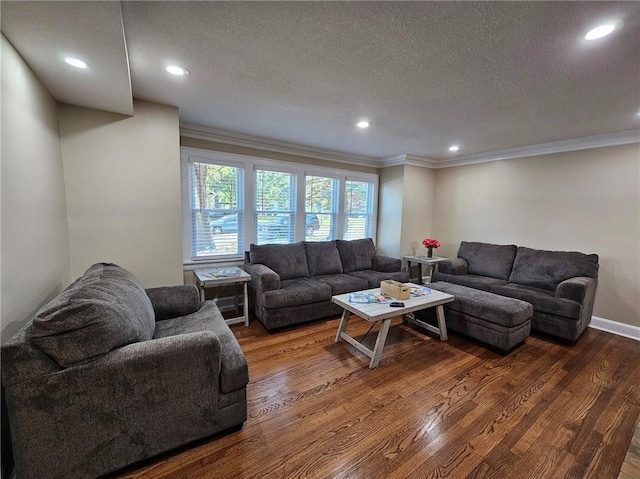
<point>586,201</point>
<point>417,209</point>
<point>35,243</point>
<point>405,209</point>
<point>390,204</point>
<point>123,190</point>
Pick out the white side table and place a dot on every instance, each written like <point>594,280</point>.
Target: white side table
<point>431,263</point>
<point>216,277</point>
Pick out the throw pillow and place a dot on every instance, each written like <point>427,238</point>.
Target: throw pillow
<point>356,255</point>
<point>485,259</point>
<point>323,257</point>
<point>287,260</point>
<point>104,309</point>
<point>546,269</point>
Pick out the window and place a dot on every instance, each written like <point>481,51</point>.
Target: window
<point>358,209</point>
<point>216,213</point>
<point>230,201</point>
<point>275,207</point>
<point>321,207</point>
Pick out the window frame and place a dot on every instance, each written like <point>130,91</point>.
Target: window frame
<point>249,165</point>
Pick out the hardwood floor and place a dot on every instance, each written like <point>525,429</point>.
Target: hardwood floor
<point>631,465</point>
<point>431,409</point>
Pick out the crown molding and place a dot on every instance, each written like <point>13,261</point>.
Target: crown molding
<point>584,143</point>
<point>250,141</point>
<point>412,160</point>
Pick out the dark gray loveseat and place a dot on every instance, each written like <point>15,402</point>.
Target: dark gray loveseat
<point>293,283</point>
<point>108,374</point>
<point>560,285</point>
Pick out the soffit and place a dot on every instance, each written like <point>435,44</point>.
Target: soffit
<point>44,33</point>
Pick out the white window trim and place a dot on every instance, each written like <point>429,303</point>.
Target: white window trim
<point>250,164</point>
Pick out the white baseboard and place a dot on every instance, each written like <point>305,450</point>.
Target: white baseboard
<point>621,329</point>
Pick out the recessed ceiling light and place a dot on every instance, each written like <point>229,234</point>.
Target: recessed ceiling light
<point>363,124</point>
<point>76,62</point>
<point>177,70</point>
<point>599,32</point>
<point>454,148</point>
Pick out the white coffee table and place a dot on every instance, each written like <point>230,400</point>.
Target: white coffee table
<point>374,312</point>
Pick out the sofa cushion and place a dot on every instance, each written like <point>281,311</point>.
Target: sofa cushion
<point>546,269</point>
<point>486,259</point>
<point>288,260</point>
<point>490,307</point>
<point>295,292</point>
<point>342,283</point>
<point>356,254</point>
<point>322,257</point>
<point>542,300</point>
<point>374,277</point>
<point>483,283</point>
<point>104,309</point>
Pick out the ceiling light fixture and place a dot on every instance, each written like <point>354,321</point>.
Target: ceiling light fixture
<point>363,124</point>
<point>454,148</point>
<point>176,70</point>
<point>599,32</point>
<point>76,62</point>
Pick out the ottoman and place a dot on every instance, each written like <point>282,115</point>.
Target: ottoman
<point>492,319</point>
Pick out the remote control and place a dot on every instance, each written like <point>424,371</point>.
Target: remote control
<point>396,304</point>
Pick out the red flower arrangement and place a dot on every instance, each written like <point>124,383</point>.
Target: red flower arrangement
<point>431,243</point>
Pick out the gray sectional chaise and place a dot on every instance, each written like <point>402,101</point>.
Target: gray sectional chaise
<point>495,320</point>
<point>108,374</point>
<point>560,285</point>
<point>293,283</point>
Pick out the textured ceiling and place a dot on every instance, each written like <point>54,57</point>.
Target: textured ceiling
<point>487,75</point>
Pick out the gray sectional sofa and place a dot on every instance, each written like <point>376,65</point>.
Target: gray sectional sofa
<point>293,283</point>
<point>108,374</point>
<point>560,285</point>
<point>495,320</point>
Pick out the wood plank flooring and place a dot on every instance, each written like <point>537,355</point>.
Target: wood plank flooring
<point>431,409</point>
<point>631,465</point>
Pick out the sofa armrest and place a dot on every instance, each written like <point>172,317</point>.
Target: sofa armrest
<point>174,301</point>
<point>386,264</point>
<point>453,266</point>
<point>158,392</point>
<point>575,289</point>
<point>263,278</point>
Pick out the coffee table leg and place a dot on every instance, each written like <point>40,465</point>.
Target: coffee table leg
<point>343,325</point>
<point>380,340</point>
<point>442,325</point>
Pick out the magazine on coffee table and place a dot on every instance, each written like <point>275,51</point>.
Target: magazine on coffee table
<point>417,291</point>
<point>367,298</point>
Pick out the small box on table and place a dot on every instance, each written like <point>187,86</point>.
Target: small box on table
<point>395,289</point>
